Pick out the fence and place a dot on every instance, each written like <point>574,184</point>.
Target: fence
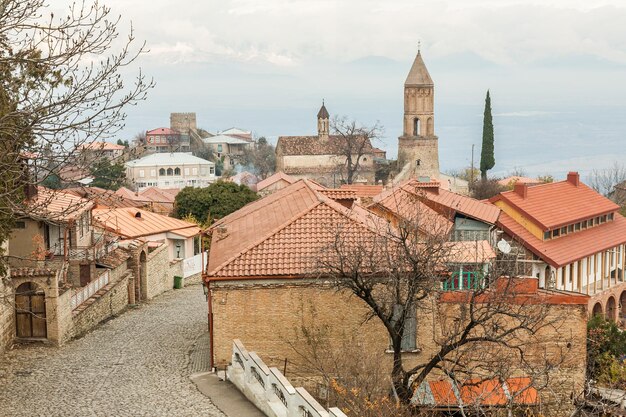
<point>269,390</point>
<point>83,294</point>
<point>193,265</point>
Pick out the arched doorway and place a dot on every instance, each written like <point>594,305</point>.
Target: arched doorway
<point>610,309</point>
<point>622,305</point>
<point>30,311</point>
<point>140,282</point>
<point>597,309</point>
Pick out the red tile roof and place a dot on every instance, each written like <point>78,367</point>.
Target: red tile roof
<point>102,146</point>
<point>510,181</point>
<point>102,197</point>
<point>443,201</point>
<point>279,176</point>
<point>484,392</point>
<point>281,234</point>
<point>53,205</point>
<point>557,204</point>
<point>162,131</point>
<point>571,247</point>
<point>133,223</point>
<point>314,145</point>
<point>363,190</point>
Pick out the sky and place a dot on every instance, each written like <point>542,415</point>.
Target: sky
<point>556,70</point>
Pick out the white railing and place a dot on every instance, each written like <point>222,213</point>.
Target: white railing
<point>269,390</point>
<point>83,294</point>
<point>193,265</point>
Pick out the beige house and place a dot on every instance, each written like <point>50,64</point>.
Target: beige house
<point>170,170</point>
<point>96,150</point>
<point>228,147</point>
<point>322,157</point>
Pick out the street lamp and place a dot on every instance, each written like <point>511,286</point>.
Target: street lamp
<point>178,250</point>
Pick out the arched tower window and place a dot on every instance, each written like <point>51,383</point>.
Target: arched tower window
<point>416,127</point>
<point>170,171</point>
<point>177,171</point>
<point>429,126</point>
<point>162,171</point>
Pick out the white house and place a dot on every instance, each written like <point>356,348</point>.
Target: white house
<point>170,170</point>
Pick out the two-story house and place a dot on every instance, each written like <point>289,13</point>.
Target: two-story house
<point>170,170</point>
<point>164,139</point>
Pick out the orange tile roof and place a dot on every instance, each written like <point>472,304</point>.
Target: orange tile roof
<point>279,176</point>
<point>53,205</point>
<point>281,234</point>
<point>102,197</point>
<point>470,252</point>
<point>339,194</point>
<point>485,392</point>
<point>102,146</point>
<point>363,190</point>
<point>566,249</point>
<point>123,221</point>
<point>509,181</point>
<point>559,203</point>
<point>444,201</point>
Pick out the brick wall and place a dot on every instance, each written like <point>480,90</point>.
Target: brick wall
<point>267,317</point>
<point>108,305</point>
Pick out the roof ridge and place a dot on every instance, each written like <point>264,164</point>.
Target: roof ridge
<point>262,239</point>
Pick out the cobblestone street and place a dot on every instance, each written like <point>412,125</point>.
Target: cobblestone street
<point>137,364</point>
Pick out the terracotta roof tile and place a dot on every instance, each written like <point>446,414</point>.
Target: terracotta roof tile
<point>279,176</point>
<point>102,197</point>
<point>469,252</point>
<point>114,258</point>
<point>559,203</point>
<point>102,146</point>
<point>485,392</point>
<point>571,247</point>
<point>53,205</point>
<point>510,181</point>
<point>339,194</point>
<point>363,190</point>
<point>133,223</point>
<point>443,201</point>
<point>313,145</point>
<point>281,234</point>
<point>162,131</point>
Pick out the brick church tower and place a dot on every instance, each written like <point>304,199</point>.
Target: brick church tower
<point>418,145</point>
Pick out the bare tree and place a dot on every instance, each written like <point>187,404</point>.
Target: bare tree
<point>610,182</point>
<point>353,142</point>
<point>62,87</point>
<point>403,271</point>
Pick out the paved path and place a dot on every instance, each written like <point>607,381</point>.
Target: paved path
<point>135,365</point>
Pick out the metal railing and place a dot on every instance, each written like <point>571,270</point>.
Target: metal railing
<point>83,294</point>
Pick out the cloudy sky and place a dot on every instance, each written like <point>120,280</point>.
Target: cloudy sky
<point>556,70</point>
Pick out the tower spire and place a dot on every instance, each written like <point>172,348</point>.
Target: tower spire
<point>322,122</point>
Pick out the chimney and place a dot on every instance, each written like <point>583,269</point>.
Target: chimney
<point>521,189</point>
<point>573,178</point>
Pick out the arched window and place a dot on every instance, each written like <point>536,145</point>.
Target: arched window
<point>429,126</point>
<point>177,171</point>
<point>170,171</point>
<point>416,127</point>
<point>162,171</point>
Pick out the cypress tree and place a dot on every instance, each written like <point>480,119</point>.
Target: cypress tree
<point>487,159</point>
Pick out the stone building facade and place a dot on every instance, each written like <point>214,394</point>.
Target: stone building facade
<point>322,158</point>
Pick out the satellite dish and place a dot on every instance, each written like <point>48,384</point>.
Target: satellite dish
<point>504,246</point>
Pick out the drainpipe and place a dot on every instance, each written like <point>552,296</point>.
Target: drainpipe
<point>210,321</point>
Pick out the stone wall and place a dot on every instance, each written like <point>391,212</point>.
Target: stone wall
<point>7,316</point>
<point>271,316</point>
<point>426,150</point>
<point>110,304</point>
<point>159,278</point>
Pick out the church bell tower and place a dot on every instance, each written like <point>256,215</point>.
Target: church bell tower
<point>418,145</point>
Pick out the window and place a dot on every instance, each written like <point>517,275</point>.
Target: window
<point>603,219</point>
<point>170,171</point>
<point>194,171</point>
<point>141,173</point>
<point>232,162</point>
<point>20,225</point>
<point>186,171</point>
<point>219,147</point>
<point>563,230</point>
<point>409,334</point>
<point>610,216</point>
<point>546,235</point>
<point>177,171</point>
<point>577,227</point>
<point>555,233</point>
<point>212,170</point>
<point>153,172</point>
<point>570,228</point>
<point>162,171</point>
